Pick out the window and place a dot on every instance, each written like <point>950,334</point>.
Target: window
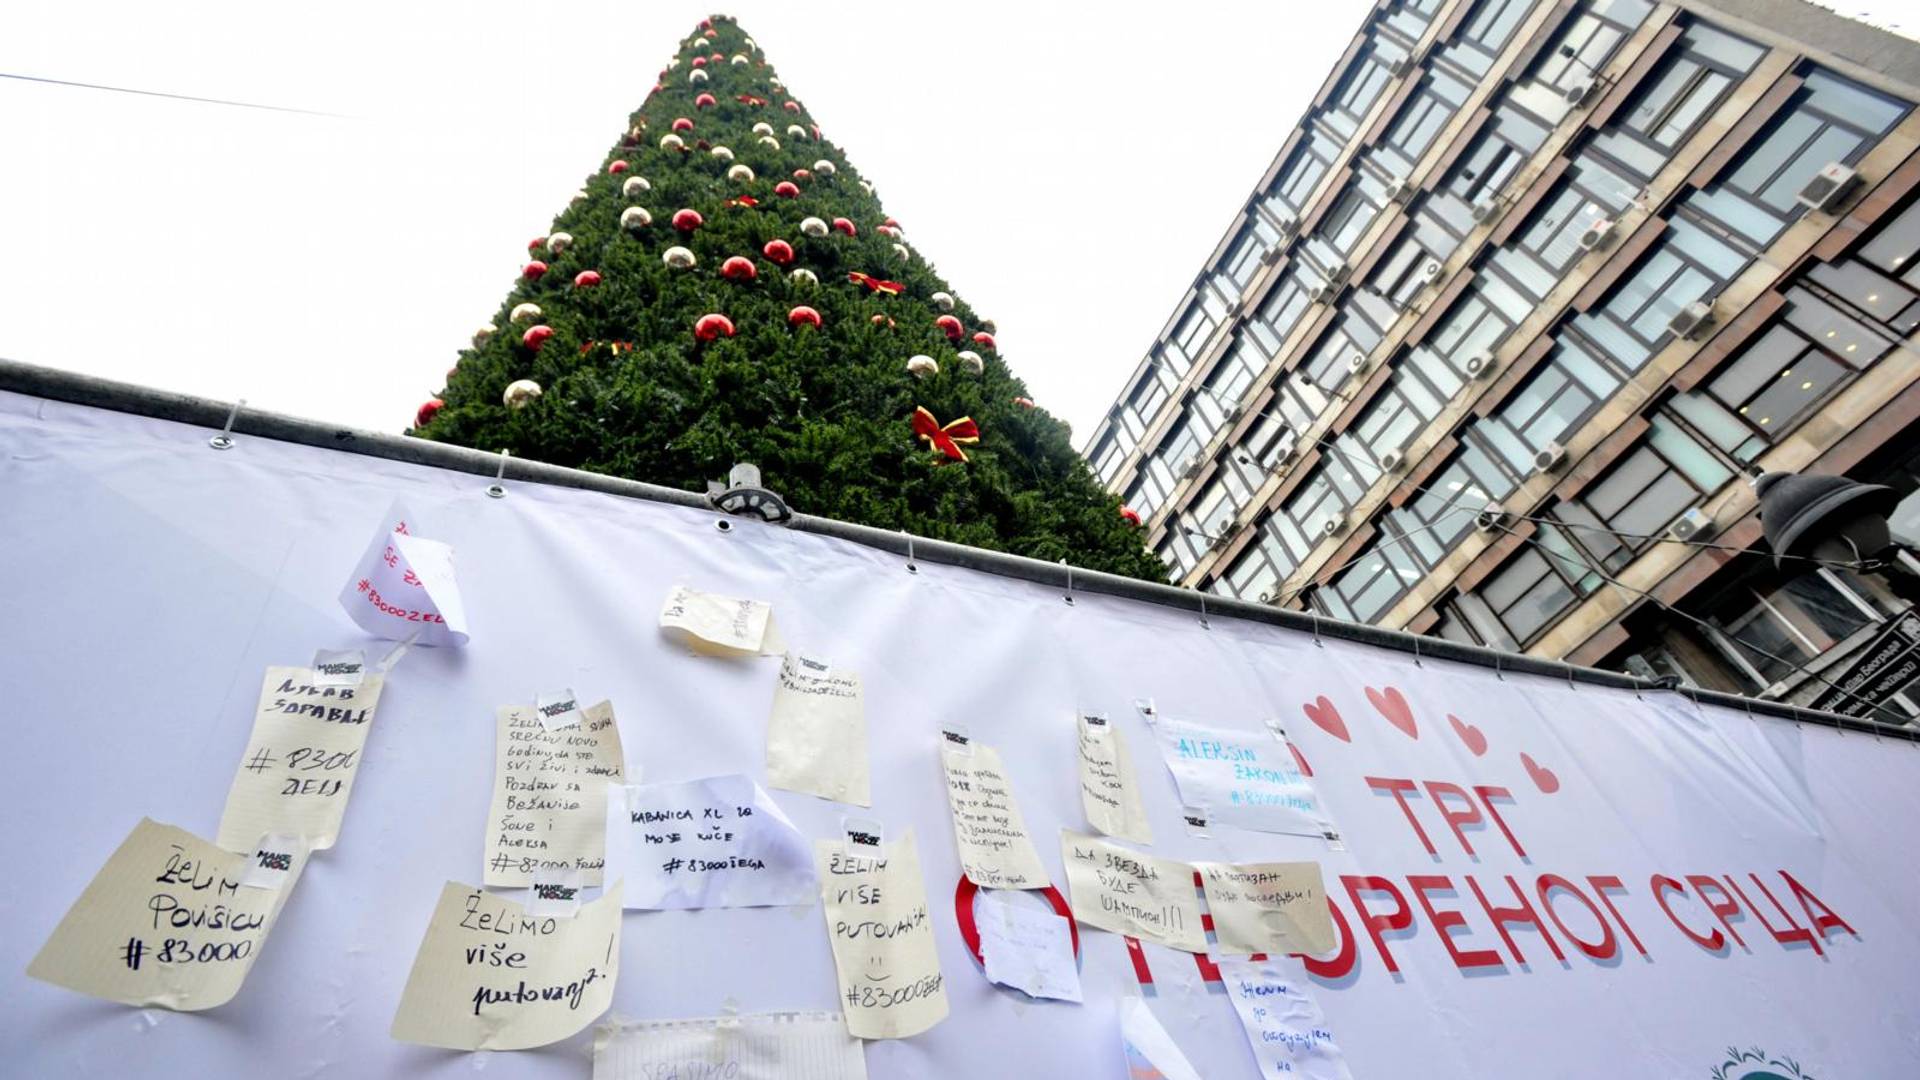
<point>1333,486</point>
<point>1673,101</point>
<point>1107,455</point>
<point>1484,34</point>
<point>1644,492</point>
<point>1261,449</point>
<point>1258,572</point>
<point>1476,324</point>
<point>1875,295</point>
<point>1530,592</point>
<point>1562,392</point>
<point>1217,507</point>
<point>1179,552</point>
<point>1893,248</point>
<point>1482,172</point>
<point>1327,364</point>
<point>1193,328</point>
<point>1278,313</point>
<point>1766,626</point>
<point>1227,383</point>
<point>1830,120</point>
<point>1399,277</point>
<point>1144,403</point>
<point>1300,176</point>
<point>1242,259</point>
<point>1543,249</point>
<point>1688,264</point>
<point>1380,576</point>
<point>1583,48</point>
<point>1360,87</point>
<point>1420,120</point>
<point>1411,17</point>
<point>1440,514</point>
<point>1394,417</point>
<point>1346,221</point>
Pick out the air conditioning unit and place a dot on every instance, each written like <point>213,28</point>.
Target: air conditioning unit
<point>1356,363</point>
<point>1333,525</point>
<point>1695,524</point>
<point>1430,271</point>
<point>1289,449</point>
<point>1490,518</point>
<point>1598,235</point>
<point>1317,294</point>
<point>1692,319</point>
<point>1392,460</point>
<point>1266,597</point>
<point>1578,91</point>
<point>1480,365</point>
<point>1829,187</point>
<point>1336,275</point>
<point>1287,227</point>
<point>1486,210</point>
<point>1234,414</point>
<point>1400,189</point>
<point>1190,466</point>
<point>1549,457</point>
<point>1400,67</point>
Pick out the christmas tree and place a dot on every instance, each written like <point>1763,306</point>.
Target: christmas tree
<point>726,288</point>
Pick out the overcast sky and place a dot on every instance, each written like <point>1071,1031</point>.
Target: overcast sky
<point>1066,168</point>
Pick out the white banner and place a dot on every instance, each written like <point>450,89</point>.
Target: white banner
<point>1537,879</point>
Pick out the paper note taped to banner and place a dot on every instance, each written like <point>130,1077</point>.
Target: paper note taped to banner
<point>404,588</point>
<point>1241,779</point>
<point>1267,907</point>
<point>1109,789</point>
<point>1026,948</point>
<point>995,850</point>
<point>297,772</point>
<point>490,976</point>
<point>758,1046</point>
<point>720,625</point>
<point>550,795</point>
<point>1130,893</point>
<point>1151,1052</point>
<point>877,922</point>
<point>1284,1026</point>
<point>718,842</point>
<point>817,735</point>
<point>165,922</point>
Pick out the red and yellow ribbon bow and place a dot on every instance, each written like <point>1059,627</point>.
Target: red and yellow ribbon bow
<point>891,288</point>
<point>749,99</point>
<point>743,200</point>
<point>945,439</point>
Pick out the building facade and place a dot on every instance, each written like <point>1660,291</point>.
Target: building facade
<point>1496,344</point>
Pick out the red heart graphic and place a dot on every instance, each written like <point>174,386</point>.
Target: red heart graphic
<point>1298,759</point>
<point>1475,739</point>
<point>1322,712</point>
<point>1393,705</point>
<point>1543,777</point>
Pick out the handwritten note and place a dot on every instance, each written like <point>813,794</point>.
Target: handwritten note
<point>1151,1052</point>
<point>877,921</point>
<point>490,976</point>
<point>1241,779</point>
<point>995,850</point>
<point>550,794</point>
<point>1284,1027</point>
<point>720,625</point>
<point>1267,907</point>
<point>718,842</point>
<point>1026,948</point>
<point>165,922</point>
<point>1131,893</point>
<point>759,1046</point>
<point>1109,792</point>
<point>404,586</point>
<point>297,772</point>
<point>817,736</point>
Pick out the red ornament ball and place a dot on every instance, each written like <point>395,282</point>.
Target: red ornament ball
<point>699,61</point>
<point>951,327</point>
<point>687,220</point>
<point>706,24</point>
<point>801,316</point>
<point>779,251</point>
<point>434,405</point>
<point>738,268</point>
<point>841,224</point>
<point>710,327</point>
<point>586,279</point>
<point>703,101</point>
<point>536,243</point>
<point>802,174</point>
<point>615,168</point>
<point>681,123</point>
<point>892,224</point>
<point>983,338</point>
<point>536,336</point>
<point>1131,516</point>
<point>792,106</point>
<point>787,189</point>
<point>533,270</point>
<point>1024,402</point>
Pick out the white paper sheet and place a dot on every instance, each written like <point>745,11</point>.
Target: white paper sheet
<point>758,1046</point>
<point>1245,779</point>
<point>339,667</point>
<point>720,625</point>
<point>717,842</point>
<point>995,850</point>
<point>817,735</point>
<point>490,976</point>
<point>1277,907</point>
<point>404,585</point>
<point>297,772</point>
<point>1109,788</point>
<point>1284,1026</point>
<point>1027,948</point>
<point>1151,1052</point>
<point>550,794</point>
<point>1132,893</point>
<point>877,922</point>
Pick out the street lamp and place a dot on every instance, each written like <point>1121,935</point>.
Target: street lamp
<point>1837,520</point>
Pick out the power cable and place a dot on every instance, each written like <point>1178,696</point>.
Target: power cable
<point>164,94</point>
